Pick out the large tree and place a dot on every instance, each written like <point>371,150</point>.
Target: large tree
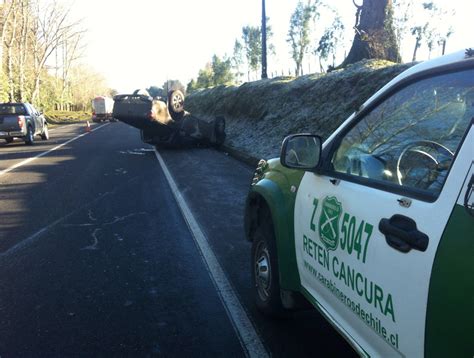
<point>374,33</point>
<point>237,59</point>
<point>330,41</point>
<point>300,30</point>
<point>215,73</point>
<point>252,39</point>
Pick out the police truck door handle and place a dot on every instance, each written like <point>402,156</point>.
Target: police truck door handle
<point>402,234</point>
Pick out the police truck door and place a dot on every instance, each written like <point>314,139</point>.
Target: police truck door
<point>367,231</point>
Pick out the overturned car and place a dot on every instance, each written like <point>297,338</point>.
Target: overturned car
<point>163,122</point>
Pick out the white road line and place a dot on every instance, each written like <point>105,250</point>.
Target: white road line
<point>29,160</point>
<point>248,336</point>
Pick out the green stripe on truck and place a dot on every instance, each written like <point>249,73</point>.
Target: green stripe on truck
<point>450,311</point>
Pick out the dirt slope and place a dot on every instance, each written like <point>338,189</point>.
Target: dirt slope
<point>260,114</point>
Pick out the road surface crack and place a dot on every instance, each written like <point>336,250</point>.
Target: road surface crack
<point>96,241</point>
<point>94,234</point>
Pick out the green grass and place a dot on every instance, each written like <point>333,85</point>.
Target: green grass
<point>64,117</point>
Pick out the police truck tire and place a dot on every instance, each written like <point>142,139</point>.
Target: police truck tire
<point>265,274</point>
<point>8,140</point>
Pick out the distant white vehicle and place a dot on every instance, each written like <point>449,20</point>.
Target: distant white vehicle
<point>102,108</point>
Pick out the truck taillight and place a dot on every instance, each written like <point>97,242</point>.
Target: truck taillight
<point>21,121</point>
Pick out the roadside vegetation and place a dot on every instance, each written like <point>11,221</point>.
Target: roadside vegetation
<point>260,114</point>
<point>67,117</point>
<point>380,29</point>
<point>41,46</point>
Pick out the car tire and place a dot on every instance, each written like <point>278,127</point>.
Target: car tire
<point>9,140</point>
<point>265,274</point>
<point>30,137</point>
<point>219,131</point>
<point>45,134</point>
<point>176,104</point>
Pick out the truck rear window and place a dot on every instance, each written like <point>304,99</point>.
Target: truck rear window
<point>6,109</point>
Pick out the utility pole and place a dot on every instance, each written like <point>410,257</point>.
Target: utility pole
<point>264,42</point>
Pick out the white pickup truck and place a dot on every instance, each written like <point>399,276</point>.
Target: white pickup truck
<point>22,120</point>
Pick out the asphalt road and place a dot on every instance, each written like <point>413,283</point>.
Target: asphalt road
<point>96,258</point>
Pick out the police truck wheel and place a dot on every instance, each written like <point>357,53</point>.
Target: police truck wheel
<point>265,276</point>
<point>8,140</point>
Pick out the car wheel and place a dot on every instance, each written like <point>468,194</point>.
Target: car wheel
<point>29,138</point>
<point>8,140</point>
<point>265,274</point>
<point>176,104</point>
<point>45,134</point>
<point>219,131</point>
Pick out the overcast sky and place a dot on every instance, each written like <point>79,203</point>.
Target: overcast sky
<point>139,43</point>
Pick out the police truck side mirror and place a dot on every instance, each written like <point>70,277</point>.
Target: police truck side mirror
<point>301,151</point>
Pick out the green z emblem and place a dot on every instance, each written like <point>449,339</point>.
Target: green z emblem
<point>329,222</point>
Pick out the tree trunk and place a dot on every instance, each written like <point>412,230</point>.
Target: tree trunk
<point>22,52</point>
<point>417,46</point>
<point>6,11</point>
<point>36,90</point>
<point>11,82</point>
<point>375,36</point>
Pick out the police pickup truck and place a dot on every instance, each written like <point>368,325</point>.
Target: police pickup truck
<point>375,226</point>
<point>22,120</point>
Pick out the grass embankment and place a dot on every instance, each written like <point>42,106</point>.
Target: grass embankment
<point>64,117</point>
<point>260,114</point>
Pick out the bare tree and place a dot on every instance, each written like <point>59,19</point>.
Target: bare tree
<point>22,49</point>
<point>438,29</point>
<point>50,27</point>
<point>7,9</point>
<point>9,42</point>
<point>432,28</point>
<point>72,50</point>
<point>85,84</point>
<point>419,33</point>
